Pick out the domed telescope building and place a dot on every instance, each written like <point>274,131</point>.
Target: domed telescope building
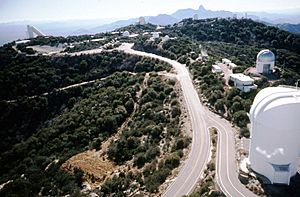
<point>265,62</point>
<point>126,34</point>
<point>275,133</point>
<point>142,20</point>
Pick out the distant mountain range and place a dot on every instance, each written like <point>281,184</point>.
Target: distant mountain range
<point>289,21</point>
<point>294,28</point>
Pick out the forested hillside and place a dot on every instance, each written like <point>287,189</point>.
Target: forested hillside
<point>23,75</point>
<point>83,121</point>
<point>239,31</point>
<point>41,131</point>
<point>239,40</point>
<point>242,38</point>
<point>54,107</point>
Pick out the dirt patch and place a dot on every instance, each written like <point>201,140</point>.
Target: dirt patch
<point>95,167</point>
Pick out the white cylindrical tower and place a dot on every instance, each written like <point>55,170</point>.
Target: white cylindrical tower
<point>275,133</point>
<point>265,62</point>
<point>142,20</point>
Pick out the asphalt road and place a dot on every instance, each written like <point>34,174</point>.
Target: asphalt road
<point>202,119</point>
<point>226,167</point>
<point>198,156</point>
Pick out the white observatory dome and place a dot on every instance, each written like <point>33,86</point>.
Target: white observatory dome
<point>142,20</point>
<point>275,133</point>
<point>126,33</point>
<point>265,62</point>
<point>266,56</point>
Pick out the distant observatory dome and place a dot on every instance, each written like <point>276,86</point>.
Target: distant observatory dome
<point>155,35</point>
<point>266,56</point>
<point>142,20</point>
<point>196,17</point>
<point>265,62</point>
<point>126,34</point>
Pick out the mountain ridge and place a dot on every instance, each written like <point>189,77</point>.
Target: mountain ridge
<point>14,31</point>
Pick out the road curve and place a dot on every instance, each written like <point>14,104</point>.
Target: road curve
<point>200,149</point>
<point>226,168</point>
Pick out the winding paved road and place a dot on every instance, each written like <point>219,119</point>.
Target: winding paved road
<point>202,119</point>
<point>226,167</point>
<point>199,154</point>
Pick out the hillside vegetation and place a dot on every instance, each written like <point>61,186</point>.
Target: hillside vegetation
<point>41,131</point>
<point>239,40</point>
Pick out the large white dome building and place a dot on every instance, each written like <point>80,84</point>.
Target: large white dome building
<point>275,133</point>
<point>265,62</point>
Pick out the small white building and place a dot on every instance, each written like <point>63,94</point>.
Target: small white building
<point>155,35</point>
<point>275,145</point>
<point>166,38</point>
<point>243,82</point>
<point>133,35</point>
<point>115,32</point>
<point>216,69</point>
<point>159,27</point>
<point>232,65</point>
<point>265,62</point>
<point>226,61</point>
<point>204,54</point>
<point>196,17</point>
<point>22,42</point>
<point>126,34</point>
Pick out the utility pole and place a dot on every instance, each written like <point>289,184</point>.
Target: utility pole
<point>297,83</point>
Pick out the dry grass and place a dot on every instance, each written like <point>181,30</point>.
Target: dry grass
<point>95,167</point>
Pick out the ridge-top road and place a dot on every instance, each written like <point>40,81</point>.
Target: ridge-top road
<point>202,119</point>
<point>199,154</point>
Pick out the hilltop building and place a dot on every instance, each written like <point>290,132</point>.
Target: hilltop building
<point>31,30</point>
<point>196,17</point>
<point>166,38</point>
<point>126,34</point>
<point>216,69</point>
<point>275,134</point>
<point>226,61</point>
<point>243,82</point>
<point>142,20</point>
<point>265,62</point>
<point>155,35</point>
<point>232,65</point>
<point>22,42</point>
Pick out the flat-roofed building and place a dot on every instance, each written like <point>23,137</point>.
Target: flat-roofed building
<point>243,82</point>
<point>226,61</point>
<point>232,65</point>
<point>216,69</point>
<point>155,35</point>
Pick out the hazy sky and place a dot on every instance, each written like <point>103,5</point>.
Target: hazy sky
<point>16,10</point>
